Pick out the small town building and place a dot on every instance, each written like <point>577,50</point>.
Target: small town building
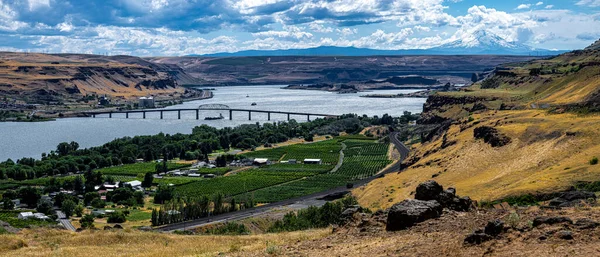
<point>30,215</point>
<point>261,161</point>
<point>312,161</point>
<point>292,161</point>
<point>146,102</point>
<point>209,176</point>
<point>136,185</point>
<point>194,175</point>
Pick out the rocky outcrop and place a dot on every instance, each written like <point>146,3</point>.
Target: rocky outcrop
<point>431,190</point>
<point>572,198</point>
<point>538,221</point>
<point>430,200</point>
<point>491,136</point>
<point>410,212</point>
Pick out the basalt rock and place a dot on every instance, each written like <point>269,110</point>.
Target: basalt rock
<point>477,238</point>
<point>586,223</point>
<point>572,198</point>
<point>410,212</point>
<point>551,220</point>
<point>429,190</point>
<point>494,228</point>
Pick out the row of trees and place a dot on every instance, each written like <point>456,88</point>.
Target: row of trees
<point>182,209</point>
<point>314,217</point>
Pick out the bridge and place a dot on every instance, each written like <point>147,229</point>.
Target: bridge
<point>207,107</point>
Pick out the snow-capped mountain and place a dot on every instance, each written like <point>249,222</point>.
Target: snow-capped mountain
<point>477,43</point>
<point>485,42</point>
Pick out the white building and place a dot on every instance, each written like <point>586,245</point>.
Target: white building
<point>136,185</point>
<point>261,161</point>
<point>312,161</point>
<point>146,102</point>
<point>29,215</point>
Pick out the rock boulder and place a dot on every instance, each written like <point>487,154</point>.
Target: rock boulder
<point>410,212</point>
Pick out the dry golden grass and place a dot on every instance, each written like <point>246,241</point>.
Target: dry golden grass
<point>549,152</point>
<point>47,242</point>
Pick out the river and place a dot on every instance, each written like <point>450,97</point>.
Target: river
<point>31,139</point>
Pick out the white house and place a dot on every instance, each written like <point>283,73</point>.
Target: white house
<point>29,215</point>
<point>312,161</point>
<point>261,161</point>
<point>136,184</point>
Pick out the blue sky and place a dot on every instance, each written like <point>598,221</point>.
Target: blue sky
<point>182,27</point>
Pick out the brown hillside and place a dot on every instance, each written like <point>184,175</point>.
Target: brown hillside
<point>549,118</point>
<point>52,78</point>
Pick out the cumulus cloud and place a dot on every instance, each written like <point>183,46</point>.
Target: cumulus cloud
<point>590,3</point>
<point>178,27</point>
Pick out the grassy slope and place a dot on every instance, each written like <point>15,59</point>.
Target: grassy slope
<point>46,242</point>
<point>549,151</point>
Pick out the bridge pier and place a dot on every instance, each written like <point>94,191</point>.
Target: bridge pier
<point>110,114</point>
<point>197,114</point>
<point>144,115</point>
<point>249,115</point>
<point>93,115</point>
<point>308,117</point>
<point>288,117</point>
<point>179,114</point>
<point>161,115</point>
<point>268,116</point>
<point>127,115</point>
<point>230,115</point>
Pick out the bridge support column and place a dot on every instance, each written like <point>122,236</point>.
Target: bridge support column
<point>161,115</point>
<point>127,115</point>
<point>179,115</point>
<point>143,115</point>
<point>197,114</point>
<point>308,117</point>
<point>249,115</point>
<point>230,115</point>
<point>288,117</point>
<point>268,116</point>
<point>110,114</point>
<point>93,115</point>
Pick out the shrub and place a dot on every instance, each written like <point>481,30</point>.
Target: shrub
<point>116,217</point>
<point>594,161</point>
<point>87,221</point>
<point>97,203</point>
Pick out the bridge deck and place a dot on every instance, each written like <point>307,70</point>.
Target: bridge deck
<point>211,109</point>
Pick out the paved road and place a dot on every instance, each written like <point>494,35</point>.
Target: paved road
<point>243,214</point>
<point>62,218</point>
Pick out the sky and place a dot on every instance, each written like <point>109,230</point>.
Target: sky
<point>184,27</point>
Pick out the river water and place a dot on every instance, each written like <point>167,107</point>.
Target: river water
<point>31,139</point>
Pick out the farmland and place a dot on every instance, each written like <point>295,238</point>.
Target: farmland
<point>240,183</point>
<point>362,158</point>
<point>327,151</point>
<point>138,168</point>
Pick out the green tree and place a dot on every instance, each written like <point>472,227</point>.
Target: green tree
<point>44,207</point>
<point>116,217</point>
<point>89,197</point>
<point>87,221</point>
<point>68,207</point>
<point>8,204</point>
<point>30,195</point>
<point>78,211</point>
<point>148,178</point>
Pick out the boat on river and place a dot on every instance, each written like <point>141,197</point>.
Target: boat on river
<point>220,117</point>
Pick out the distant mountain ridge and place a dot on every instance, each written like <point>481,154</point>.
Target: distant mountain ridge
<point>479,43</point>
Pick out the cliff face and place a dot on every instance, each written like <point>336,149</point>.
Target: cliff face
<point>531,130</point>
<point>40,78</point>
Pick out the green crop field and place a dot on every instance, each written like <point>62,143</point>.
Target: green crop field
<point>328,151</point>
<point>240,183</point>
<point>216,171</point>
<point>138,168</point>
<point>362,159</point>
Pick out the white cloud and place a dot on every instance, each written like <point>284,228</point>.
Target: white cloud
<point>539,3</point>
<point>523,6</point>
<point>318,26</point>
<point>591,3</point>
<point>35,4</point>
<point>549,6</point>
<point>347,31</point>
